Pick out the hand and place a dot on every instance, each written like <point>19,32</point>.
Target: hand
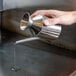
<point>57,17</point>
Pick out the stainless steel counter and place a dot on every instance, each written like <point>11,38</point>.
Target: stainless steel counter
<point>34,58</point>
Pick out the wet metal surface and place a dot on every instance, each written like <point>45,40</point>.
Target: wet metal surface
<point>34,58</point>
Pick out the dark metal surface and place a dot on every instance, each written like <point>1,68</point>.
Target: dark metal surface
<point>0,28</point>
<point>34,58</point>
<point>1,5</point>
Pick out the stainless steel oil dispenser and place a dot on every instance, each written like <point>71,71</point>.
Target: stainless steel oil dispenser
<point>37,29</point>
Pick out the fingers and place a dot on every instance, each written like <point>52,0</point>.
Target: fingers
<point>55,17</point>
<point>51,21</point>
<point>36,13</point>
<point>42,12</point>
<point>48,13</point>
<point>55,21</point>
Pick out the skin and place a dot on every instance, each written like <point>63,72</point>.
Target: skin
<point>57,17</point>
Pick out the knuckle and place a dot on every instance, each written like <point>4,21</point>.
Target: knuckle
<point>38,11</point>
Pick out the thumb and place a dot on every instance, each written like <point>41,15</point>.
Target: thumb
<point>51,21</point>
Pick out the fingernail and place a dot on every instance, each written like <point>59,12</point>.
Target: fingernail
<point>46,22</point>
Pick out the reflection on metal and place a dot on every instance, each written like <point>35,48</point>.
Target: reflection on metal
<point>27,39</point>
<point>37,28</point>
<point>15,69</point>
<point>1,71</point>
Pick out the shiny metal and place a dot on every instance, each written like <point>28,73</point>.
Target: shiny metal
<point>25,21</point>
<point>27,39</point>
<point>52,31</point>
<point>39,30</point>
